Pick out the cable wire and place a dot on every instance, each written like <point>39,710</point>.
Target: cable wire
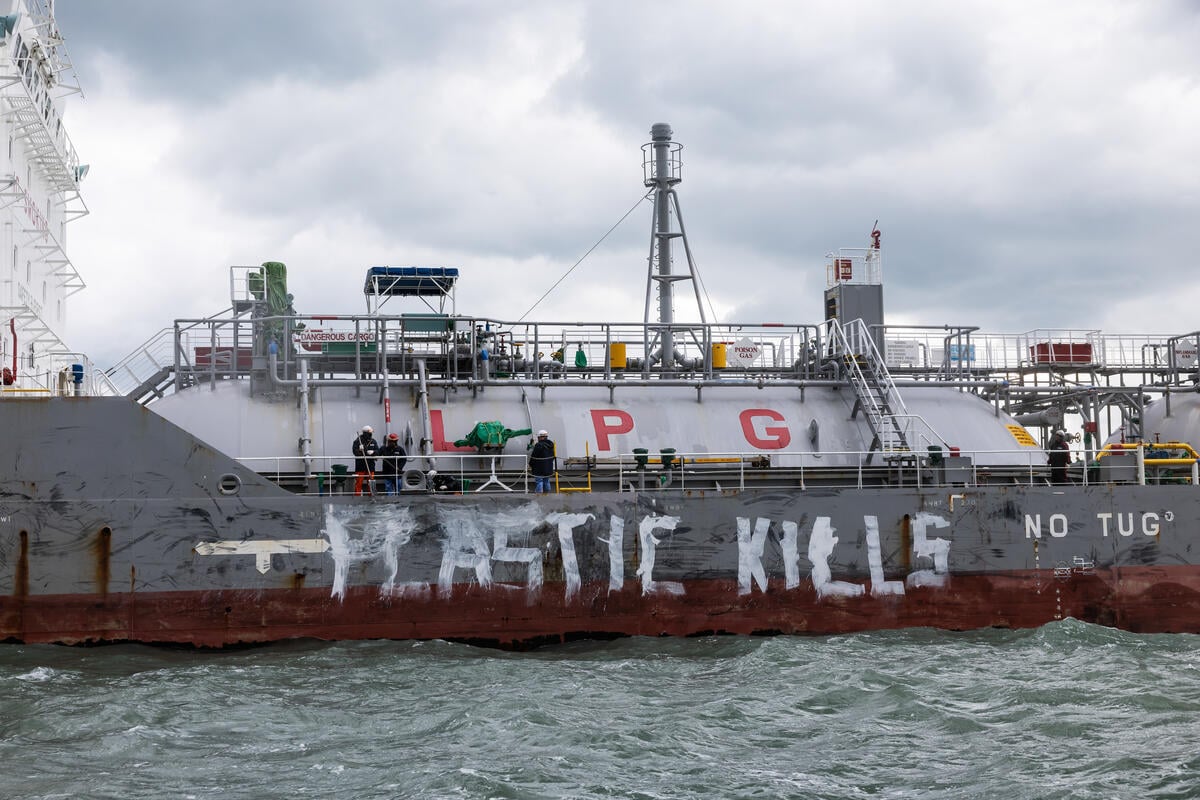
<point>585,255</point>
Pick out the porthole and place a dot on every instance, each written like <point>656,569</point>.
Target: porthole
<point>229,483</point>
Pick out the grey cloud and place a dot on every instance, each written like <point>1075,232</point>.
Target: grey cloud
<point>802,123</point>
<point>201,52</point>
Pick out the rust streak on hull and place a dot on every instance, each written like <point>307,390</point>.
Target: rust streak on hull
<point>103,554</point>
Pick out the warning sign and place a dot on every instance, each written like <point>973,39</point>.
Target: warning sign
<point>743,353</point>
<point>903,353</point>
<point>312,339</point>
<point>1185,354</point>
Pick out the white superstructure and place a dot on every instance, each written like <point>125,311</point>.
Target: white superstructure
<point>40,175</point>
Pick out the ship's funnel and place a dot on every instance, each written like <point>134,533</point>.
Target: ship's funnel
<point>7,23</point>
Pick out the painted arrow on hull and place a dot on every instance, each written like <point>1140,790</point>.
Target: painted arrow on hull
<point>262,550</point>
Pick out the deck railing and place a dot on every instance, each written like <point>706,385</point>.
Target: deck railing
<point>478,348</point>
<point>458,473</point>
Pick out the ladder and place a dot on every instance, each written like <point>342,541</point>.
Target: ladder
<point>894,430</point>
<point>147,372</point>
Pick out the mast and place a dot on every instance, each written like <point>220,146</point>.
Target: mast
<point>662,167</point>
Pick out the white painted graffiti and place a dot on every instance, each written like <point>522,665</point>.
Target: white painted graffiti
<point>566,544</point>
<point>821,543</point>
<point>476,541</point>
<point>750,553</point>
<point>936,550</point>
<point>879,586</point>
<point>261,549</point>
<point>466,545</point>
<point>1123,523</point>
<point>649,542</point>
<point>616,563</point>
<point>383,537</point>
<point>821,546</point>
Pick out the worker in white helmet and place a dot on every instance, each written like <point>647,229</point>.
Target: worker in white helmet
<point>365,449</point>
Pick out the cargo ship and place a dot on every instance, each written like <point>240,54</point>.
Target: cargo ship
<point>705,478</point>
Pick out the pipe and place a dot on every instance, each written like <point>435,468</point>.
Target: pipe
<point>1049,417</point>
<point>305,440</point>
<point>660,133</point>
<point>273,374</point>
<point>426,447</point>
<point>12,326</point>
<point>471,383</point>
<point>387,398</point>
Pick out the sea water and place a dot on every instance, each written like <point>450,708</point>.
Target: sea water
<point>1069,710</point>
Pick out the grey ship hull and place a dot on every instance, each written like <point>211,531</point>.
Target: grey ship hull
<point>116,525</point>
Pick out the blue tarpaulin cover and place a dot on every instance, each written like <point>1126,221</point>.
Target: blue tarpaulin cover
<point>410,281</point>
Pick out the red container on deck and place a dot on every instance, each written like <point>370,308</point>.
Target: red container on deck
<point>223,357</point>
<point>1061,353</point>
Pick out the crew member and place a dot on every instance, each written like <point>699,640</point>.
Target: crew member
<point>1059,456</point>
<point>365,450</point>
<point>541,462</point>
<point>391,463</point>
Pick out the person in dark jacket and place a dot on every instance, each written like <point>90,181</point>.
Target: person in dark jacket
<point>541,462</point>
<point>392,459</point>
<point>1058,457</point>
<point>365,449</point>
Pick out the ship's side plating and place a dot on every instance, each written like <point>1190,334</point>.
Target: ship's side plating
<point>165,551</point>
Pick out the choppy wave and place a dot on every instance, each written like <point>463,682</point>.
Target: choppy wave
<point>1069,710</point>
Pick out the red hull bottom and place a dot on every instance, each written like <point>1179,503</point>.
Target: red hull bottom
<point>1141,599</point>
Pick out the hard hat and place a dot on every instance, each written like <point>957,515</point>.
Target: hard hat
<point>368,429</point>
<point>394,436</point>
<point>542,433</point>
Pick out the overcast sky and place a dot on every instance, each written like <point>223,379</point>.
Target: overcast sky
<point>1031,165</point>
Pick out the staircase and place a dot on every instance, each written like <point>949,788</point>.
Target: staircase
<point>894,430</point>
<point>148,372</point>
